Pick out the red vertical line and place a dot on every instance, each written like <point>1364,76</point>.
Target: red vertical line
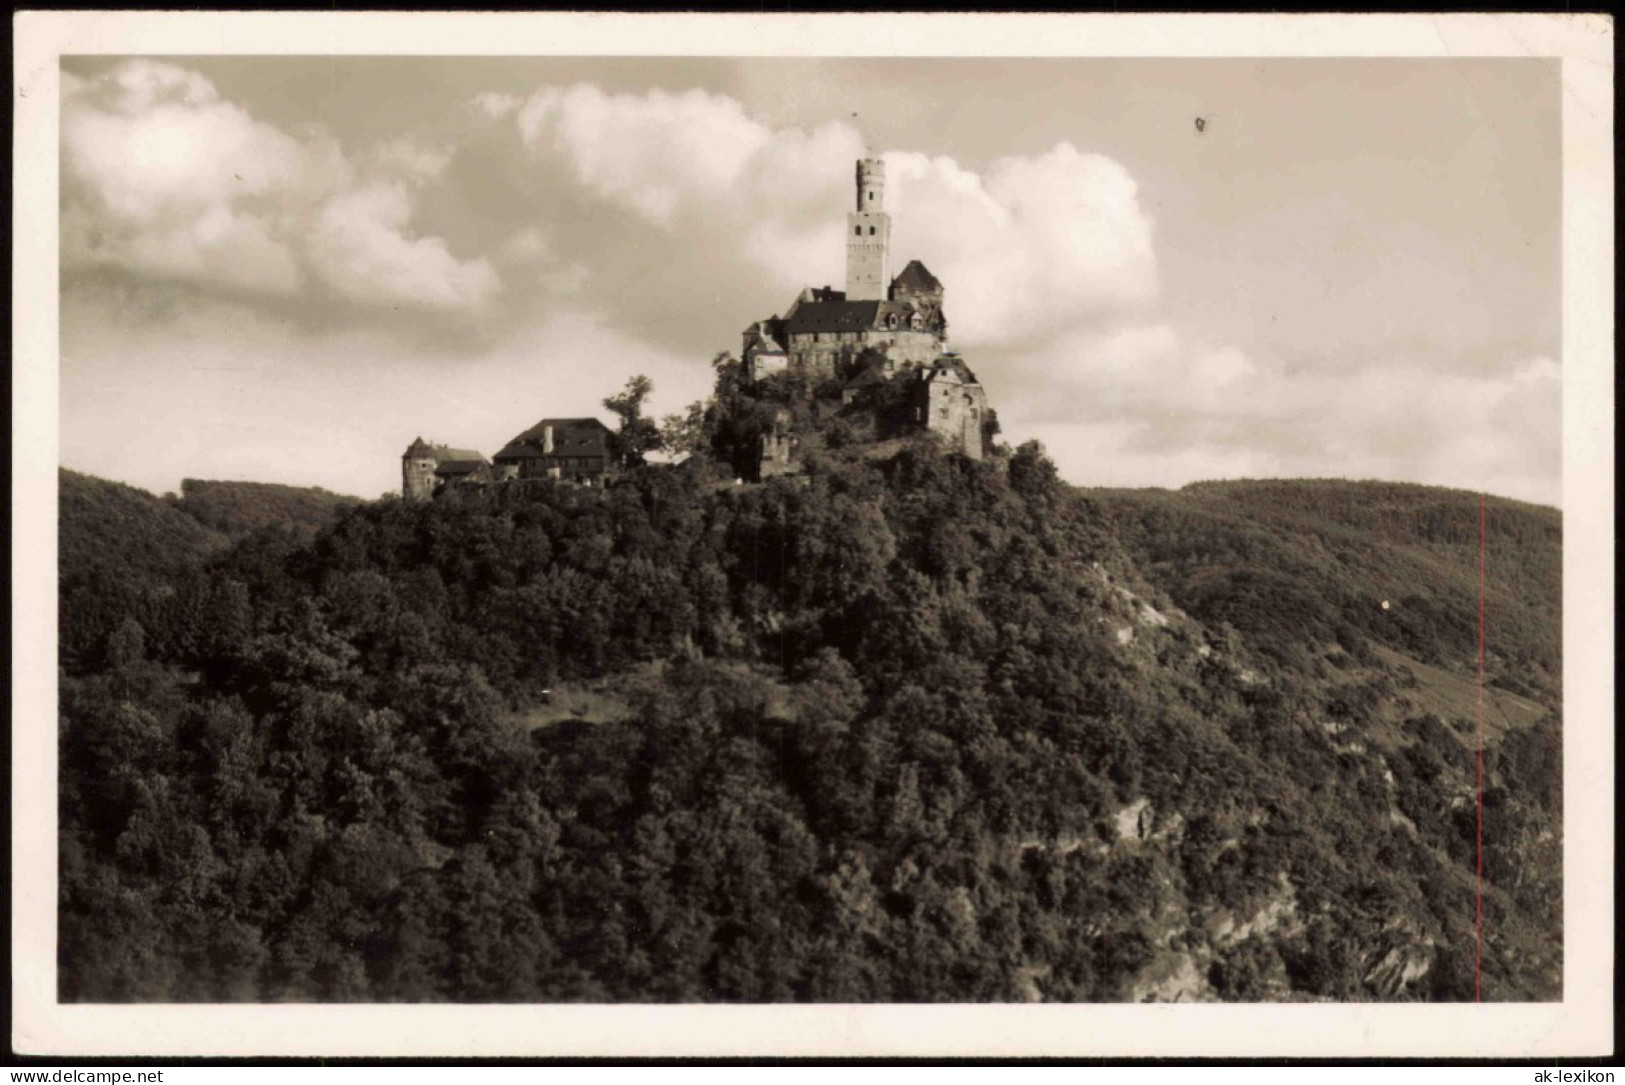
<point>1478,958</point>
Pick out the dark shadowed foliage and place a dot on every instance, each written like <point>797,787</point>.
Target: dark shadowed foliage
<point>908,728</point>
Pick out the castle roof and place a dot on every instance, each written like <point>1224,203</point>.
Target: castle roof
<point>916,278</point>
<point>421,449</point>
<point>845,316</point>
<point>571,437</point>
<point>949,367</point>
<point>447,468</point>
<point>765,337</point>
<point>832,316</point>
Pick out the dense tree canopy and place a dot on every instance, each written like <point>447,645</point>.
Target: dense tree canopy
<point>908,729</point>
<point>637,435</point>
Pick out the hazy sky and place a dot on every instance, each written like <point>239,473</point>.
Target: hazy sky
<point>285,269</point>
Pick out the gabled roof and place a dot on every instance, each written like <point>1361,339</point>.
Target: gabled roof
<point>764,336</point>
<point>950,367</point>
<point>832,316</point>
<point>571,437</point>
<point>916,279</point>
<point>855,316</point>
<point>421,449</point>
<point>449,468</point>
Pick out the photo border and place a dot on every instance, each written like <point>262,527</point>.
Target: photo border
<point>1580,1025</point>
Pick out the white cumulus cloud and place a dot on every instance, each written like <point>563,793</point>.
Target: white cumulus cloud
<point>650,152</point>
<point>1145,404</point>
<point>1033,247</point>
<point>164,179</point>
<point>360,248</point>
<point>1027,249</point>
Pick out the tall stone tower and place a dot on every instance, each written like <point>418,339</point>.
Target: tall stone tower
<point>868,238</point>
<point>417,471</point>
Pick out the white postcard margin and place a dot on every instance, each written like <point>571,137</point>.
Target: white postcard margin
<point>1579,1025</point>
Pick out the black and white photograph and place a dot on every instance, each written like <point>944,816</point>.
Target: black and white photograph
<point>545,527</point>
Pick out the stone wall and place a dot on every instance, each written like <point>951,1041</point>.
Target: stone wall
<point>568,468</point>
<point>835,354</point>
<point>867,256</point>
<point>761,364</point>
<point>778,454</point>
<point>417,479</point>
<point>918,348</point>
<point>868,236</point>
<point>953,411</point>
<point>826,354</point>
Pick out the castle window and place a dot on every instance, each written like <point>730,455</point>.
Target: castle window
<point>871,197</point>
<point>857,231</point>
<point>871,231</point>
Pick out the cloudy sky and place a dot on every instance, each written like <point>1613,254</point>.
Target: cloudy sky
<point>285,269</point>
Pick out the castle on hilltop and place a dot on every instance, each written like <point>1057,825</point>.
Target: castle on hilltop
<point>878,331</point>
<point>566,449</point>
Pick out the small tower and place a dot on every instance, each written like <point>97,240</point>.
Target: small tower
<point>868,236</point>
<point>950,402</point>
<point>418,464</point>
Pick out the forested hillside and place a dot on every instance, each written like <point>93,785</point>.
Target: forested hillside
<point>240,508</point>
<point>108,527</point>
<point>911,729</point>
<point>1296,564</point>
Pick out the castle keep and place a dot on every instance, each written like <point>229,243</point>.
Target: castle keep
<point>875,331</point>
<point>825,330</point>
<point>869,230</point>
<point>881,329</point>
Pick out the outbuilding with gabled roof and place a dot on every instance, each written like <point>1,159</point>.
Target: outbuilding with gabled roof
<point>576,449</point>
